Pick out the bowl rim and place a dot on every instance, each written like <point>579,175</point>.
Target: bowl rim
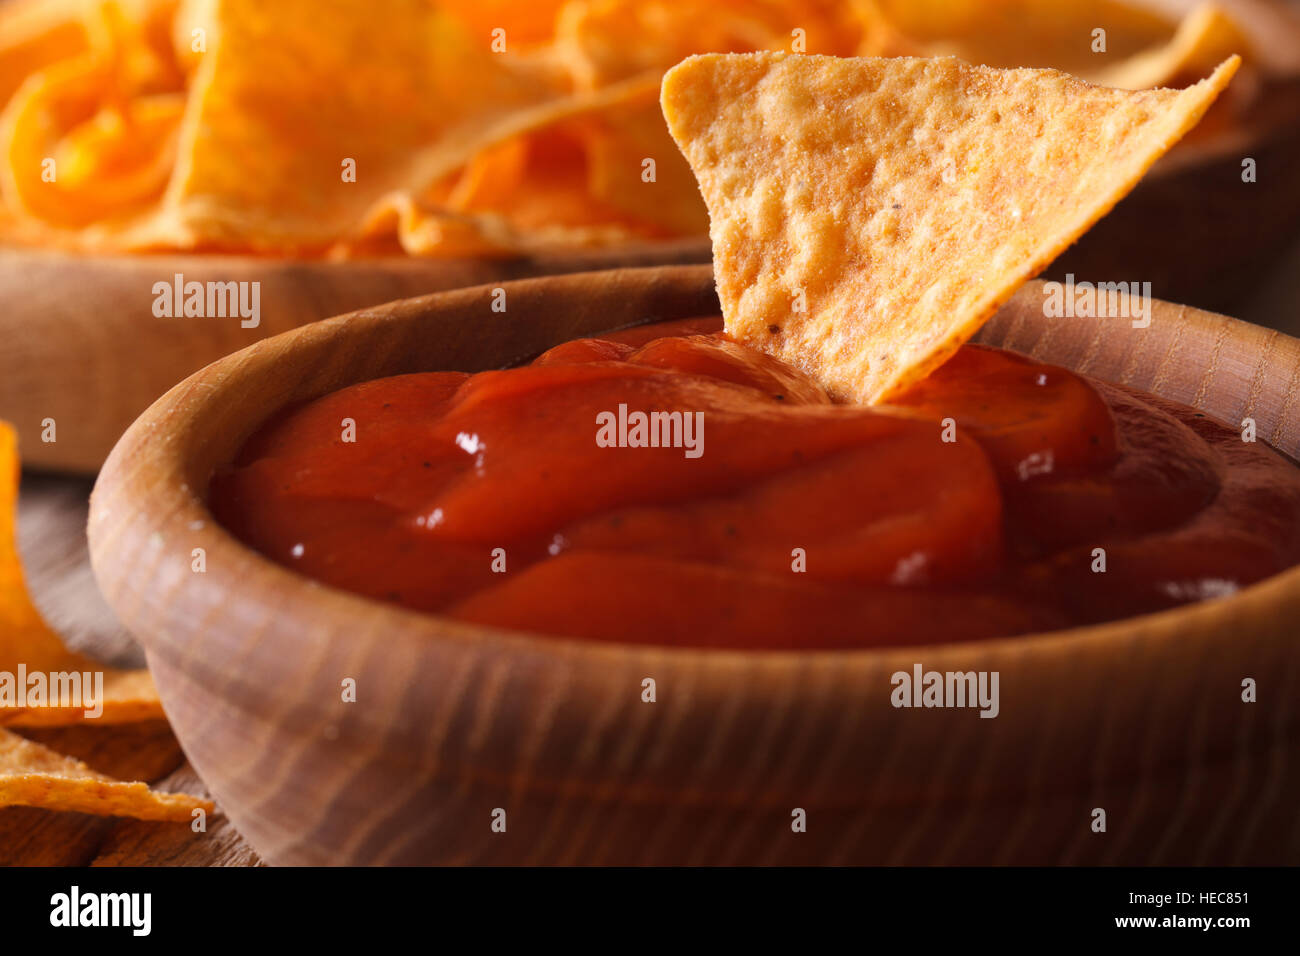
<point>192,401</point>
<point>594,258</point>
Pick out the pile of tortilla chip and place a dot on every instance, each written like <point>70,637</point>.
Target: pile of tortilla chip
<point>461,127</point>
<point>43,684</point>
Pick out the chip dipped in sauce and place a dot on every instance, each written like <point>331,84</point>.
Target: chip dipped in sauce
<point>671,486</point>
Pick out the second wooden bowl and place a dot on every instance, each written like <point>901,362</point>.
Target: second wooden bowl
<point>85,350</point>
<point>467,744</point>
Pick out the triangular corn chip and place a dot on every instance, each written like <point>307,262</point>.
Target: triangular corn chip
<point>42,683</point>
<point>35,776</point>
<point>868,215</point>
<point>302,115</point>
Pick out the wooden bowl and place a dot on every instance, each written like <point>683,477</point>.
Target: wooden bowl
<point>83,346</point>
<point>1192,227</point>
<point>452,722</point>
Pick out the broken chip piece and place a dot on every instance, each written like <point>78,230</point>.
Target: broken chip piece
<point>32,775</point>
<point>42,683</point>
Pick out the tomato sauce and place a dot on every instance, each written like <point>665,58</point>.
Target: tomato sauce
<point>998,497</point>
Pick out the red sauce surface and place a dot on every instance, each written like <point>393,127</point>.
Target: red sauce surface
<point>903,537</point>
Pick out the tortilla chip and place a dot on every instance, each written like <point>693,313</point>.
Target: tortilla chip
<point>431,230</point>
<point>264,144</point>
<point>135,37</point>
<point>28,645</point>
<point>37,33</point>
<point>491,178</point>
<point>109,161</point>
<point>586,174</point>
<point>618,144</point>
<point>541,204</point>
<point>603,41</point>
<point>525,24</point>
<point>107,117</point>
<point>900,201</point>
<point>35,776</point>
<point>538,181</point>
<point>1206,37</point>
<point>240,146</point>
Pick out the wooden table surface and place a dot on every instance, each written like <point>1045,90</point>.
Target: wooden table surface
<point>52,540</point>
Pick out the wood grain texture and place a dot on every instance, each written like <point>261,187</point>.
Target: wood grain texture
<point>1142,717</point>
<point>51,536</point>
<point>83,347</point>
<point>148,751</point>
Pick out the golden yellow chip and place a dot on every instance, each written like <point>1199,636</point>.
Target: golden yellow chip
<point>35,776</point>
<point>90,136</point>
<point>295,134</point>
<point>71,160</point>
<point>868,215</point>
<point>542,203</point>
<point>491,178</point>
<point>42,683</point>
<point>36,33</point>
<point>537,182</point>
<point>136,35</point>
<point>636,171</point>
<point>225,125</point>
<point>522,24</point>
<point>1206,37</point>
<point>603,41</point>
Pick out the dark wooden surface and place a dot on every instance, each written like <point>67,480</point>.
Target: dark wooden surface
<point>51,536</point>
